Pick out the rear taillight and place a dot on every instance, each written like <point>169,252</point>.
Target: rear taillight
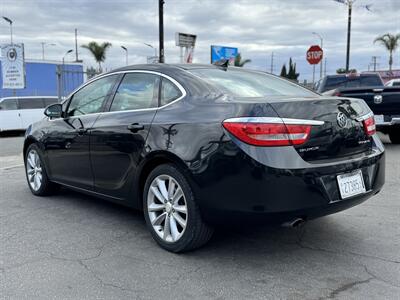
<point>369,125</point>
<point>337,94</point>
<point>276,133</point>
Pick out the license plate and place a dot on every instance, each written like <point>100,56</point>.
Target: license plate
<point>379,119</point>
<point>351,184</point>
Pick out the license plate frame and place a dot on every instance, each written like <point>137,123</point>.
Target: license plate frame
<point>379,119</point>
<point>351,184</point>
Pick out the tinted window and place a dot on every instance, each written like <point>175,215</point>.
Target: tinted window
<point>169,92</point>
<point>251,84</point>
<point>90,99</point>
<point>396,83</point>
<point>8,104</point>
<point>136,91</point>
<point>30,103</point>
<point>351,81</point>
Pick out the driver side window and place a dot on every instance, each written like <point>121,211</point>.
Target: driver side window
<point>90,99</point>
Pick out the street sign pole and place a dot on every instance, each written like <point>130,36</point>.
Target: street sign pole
<point>313,74</point>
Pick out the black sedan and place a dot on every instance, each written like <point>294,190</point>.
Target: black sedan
<point>198,145</point>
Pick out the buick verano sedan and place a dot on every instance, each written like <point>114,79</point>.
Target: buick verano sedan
<point>198,145</point>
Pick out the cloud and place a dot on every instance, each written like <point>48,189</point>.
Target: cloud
<point>257,27</point>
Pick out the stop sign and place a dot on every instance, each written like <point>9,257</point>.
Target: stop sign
<point>314,55</point>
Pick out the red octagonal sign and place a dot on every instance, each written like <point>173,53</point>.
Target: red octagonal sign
<point>314,55</point>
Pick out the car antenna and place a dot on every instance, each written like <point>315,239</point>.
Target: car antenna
<point>222,63</point>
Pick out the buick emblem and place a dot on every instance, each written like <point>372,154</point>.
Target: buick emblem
<point>341,120</point>
<point>378,99</point>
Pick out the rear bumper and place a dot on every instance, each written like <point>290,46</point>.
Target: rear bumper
<point>243,188</point>
<point>389,121</point>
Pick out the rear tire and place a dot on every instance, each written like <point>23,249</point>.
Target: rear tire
<point>394,136</point>
<point>36,174</point>
<point>171,213</point>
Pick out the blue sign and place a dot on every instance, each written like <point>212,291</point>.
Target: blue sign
<point>221,52</point>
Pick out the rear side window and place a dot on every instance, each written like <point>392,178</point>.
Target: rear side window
<point>8,104</point>
<point>30,103</point>
<point>136,91</point>
<point>351,81</point>
<point>169,92</point>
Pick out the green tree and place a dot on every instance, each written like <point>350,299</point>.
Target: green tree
<point>283,71</point>
<point>292,71</point>
<point>239,62</point>
<point>91,72</point>
<point>98,51</point>
<point>390,42</point>
<point>343,71</point>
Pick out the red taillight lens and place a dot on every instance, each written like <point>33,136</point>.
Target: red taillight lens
<point>369,126</point>
<point>269,134</point>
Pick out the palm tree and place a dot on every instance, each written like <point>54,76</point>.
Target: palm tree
<point>239,62</point>
<point>98,51</point>
<point>390,42</point>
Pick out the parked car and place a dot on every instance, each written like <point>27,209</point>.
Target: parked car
<point>17,113</point>
<point>198,145</point>
<point>393,82</point>
<point>383,101</point>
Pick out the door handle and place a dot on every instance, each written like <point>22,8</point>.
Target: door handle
<point>135,127</point>
<point>82,131</point>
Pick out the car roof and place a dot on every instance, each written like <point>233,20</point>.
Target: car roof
<point>165,67</point>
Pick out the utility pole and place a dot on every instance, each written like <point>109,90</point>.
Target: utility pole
<point>350,6</point>
<point>161,29</point>
<point>272,62</point>
<point>325,68</point>
<point>374,58</point>
<point>76,45</point>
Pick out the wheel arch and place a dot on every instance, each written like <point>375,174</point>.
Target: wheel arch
<point>28,141</point>
<point>152,161</point>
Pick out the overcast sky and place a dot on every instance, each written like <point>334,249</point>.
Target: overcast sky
<point>256,27</point>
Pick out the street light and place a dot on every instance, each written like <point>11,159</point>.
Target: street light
<point>126,53</point>
<point>320,63</point>
<point>151,46</point>
<point>46,44</point>
<point>11,32</point>
<point>66,53</point>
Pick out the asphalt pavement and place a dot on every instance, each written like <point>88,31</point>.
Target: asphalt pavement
<point>72,246</point>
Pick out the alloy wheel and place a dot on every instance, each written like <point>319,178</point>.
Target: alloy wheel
<point>34,170</point>
<point>167,208</point>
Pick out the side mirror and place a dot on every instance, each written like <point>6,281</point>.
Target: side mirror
<point>54,111</point>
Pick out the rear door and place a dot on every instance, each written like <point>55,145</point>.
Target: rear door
<point>118,136</point>
<point>9,115</point>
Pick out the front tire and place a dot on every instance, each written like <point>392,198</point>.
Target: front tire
<point>36,174</point>
<point>171,213</point>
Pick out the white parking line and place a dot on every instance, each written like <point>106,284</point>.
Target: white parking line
<point>12,167</point>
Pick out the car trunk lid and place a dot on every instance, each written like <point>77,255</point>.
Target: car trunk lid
<point>341,135</point>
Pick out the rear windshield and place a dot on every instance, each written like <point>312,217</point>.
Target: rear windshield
<point>332,83</point>
<point>246,84</point>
